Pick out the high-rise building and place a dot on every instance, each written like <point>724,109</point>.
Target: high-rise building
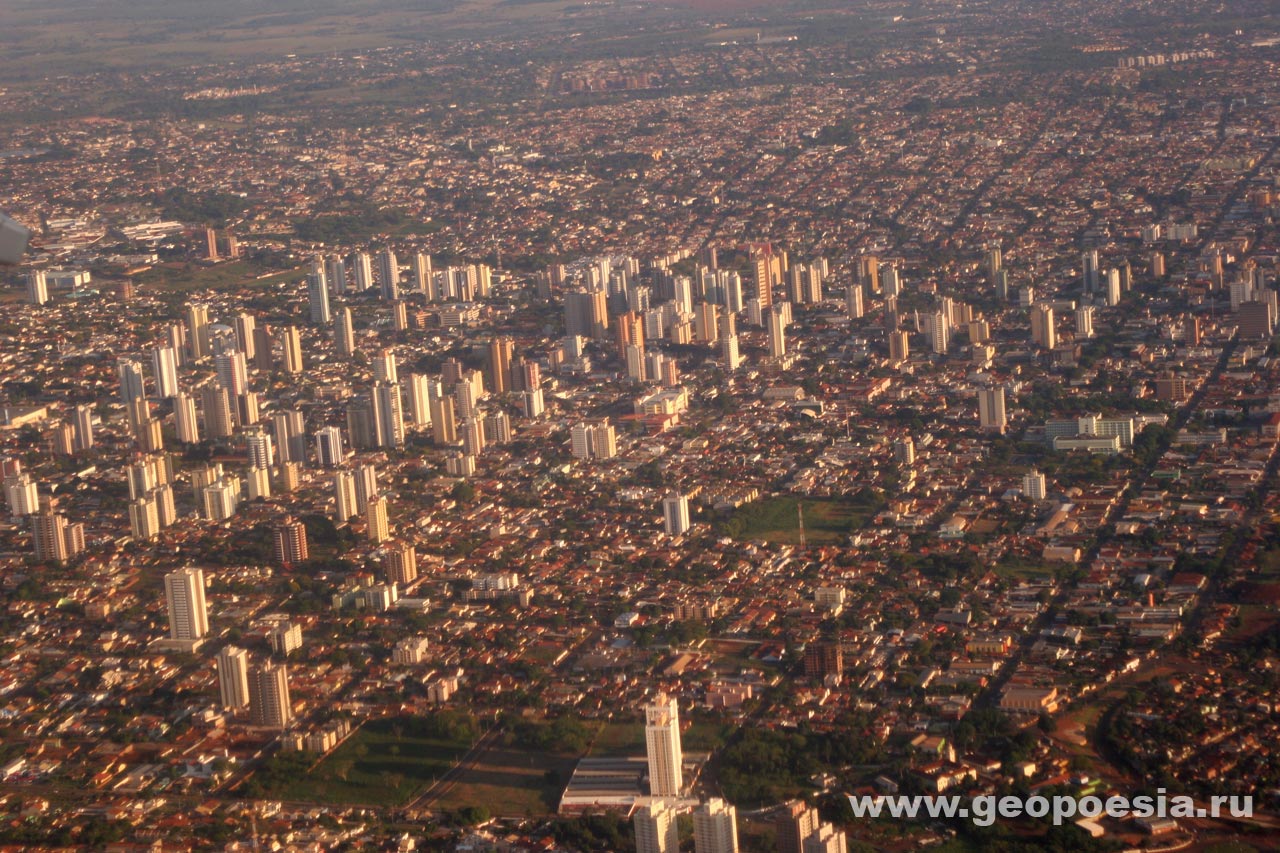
<point>823,659</point>
<point>318,297</point>
<point>1044,333</point>
<point>290,432</point>
<point>501,351</point>
<point>176,340</point>
<point>1172,388</point>
<point>290,476</point>
<point>233,371</point>
<point>82,428</point>
<point>388,415</point>
<point>258,483</point>
<point>706,318</point>
<point>164,364</point>
<point>384,366</point>
<point>285,637</point>
<point>144,518</point>
<point>796,823</point>
<point>826,839</point>
<point>220,499</point>
<point>497,428</point>
<point>420,272</point>
<point>937,329</point>
<point>730,356</point>
<point>715,827</point>
<point>1255,319</point>
<point>675,513</point>
<point>767,267</point>
<point>264,345</point>
<point>593,440</point>
<point>890,282</point>
<point>132,385</point>
<point>532,403</point>
<point>378,523</point>
<point>777,329</point>
<point>198,330</point>
<point>346,504</point>
<point>991,411</point>
<point>216,402</point>
<point>55,539</point>
<point>291,543</point>
<point>163,497</point>
<point>853,306</point>
<point>388,275</point>
<point>472,435</point>
<point>444,426</point>
<point>21,495</point>
<point>291,350</point>
<point>244,409</point>
<point>1089,262</point>
<point>269,704</point>
<point>898,345</point>
<point>1033,485</point>
<point>656,827</point>
<point>37,287</point>
<point>662,748</point>
<point>1084,321</point>
<point>586,314</point>
<point>233,677</point>
<point>344,336</point>
<point>868,271</point>
<point>1157,265</point>
<point>419,394</point>
<point>1114,288</point>
<point>362,271</point>
<point>188,613</point>
<point>245,326</point>
<point>184,419</point>
<point>530,375</point>
<point>366,485</point>
<point>64,439</point>
<point>401,562</point>
<point>335,272</point>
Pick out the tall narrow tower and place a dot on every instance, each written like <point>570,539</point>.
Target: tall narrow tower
<point>662,745</point>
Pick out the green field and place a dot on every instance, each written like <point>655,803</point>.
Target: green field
<point>777,520</point>
<point>511,782</point>
<point>381,764</point>
<point>181,279</point>
<point>619,738</point>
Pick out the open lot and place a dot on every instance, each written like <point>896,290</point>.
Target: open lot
<point>510,782</point>
<point>378,765</point>
<point>777,520</point>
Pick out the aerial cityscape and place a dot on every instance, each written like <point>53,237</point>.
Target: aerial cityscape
<point>558,426</point>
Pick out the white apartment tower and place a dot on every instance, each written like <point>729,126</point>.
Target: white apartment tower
<point>662,746</point>
<point>715,827</point>
<point>233,677</point>
<point>188,614</point>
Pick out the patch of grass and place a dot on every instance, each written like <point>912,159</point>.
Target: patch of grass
<point>624,737</point>
<point>511,782</point>
<point>777,519</point>
<point>180,280</point>
<point>705,736</point>
<point>381,764</point>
